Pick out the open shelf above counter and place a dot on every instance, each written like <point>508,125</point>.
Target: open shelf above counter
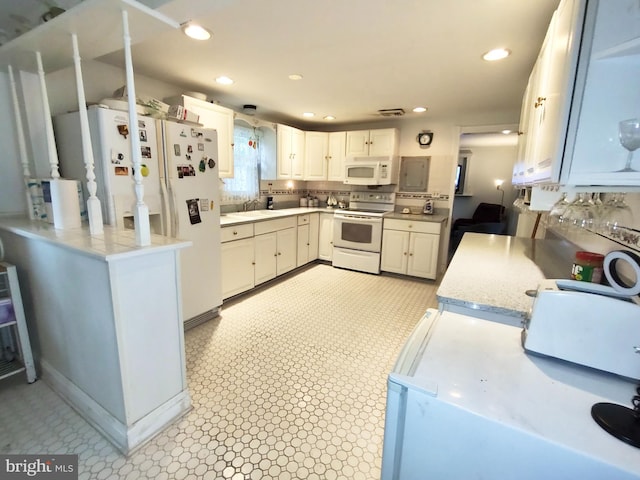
<point>98,25</point>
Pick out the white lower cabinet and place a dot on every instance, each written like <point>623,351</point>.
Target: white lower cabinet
<point>410,248</point>
<point>274,253</point>
<point>237,263</point>
<point>325,237</point>
<point>266,250</point>
<point>308,230</point>
<point>275,248</point>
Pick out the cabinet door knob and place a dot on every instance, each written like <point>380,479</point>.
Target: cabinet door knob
<point>411,254</point>
<point>279,253</point>
<point>539,102</point>
<point>405,254</point>
<point>235,233</point>
<point>253,263</point>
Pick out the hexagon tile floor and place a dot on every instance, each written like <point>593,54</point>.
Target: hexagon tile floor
<point>288,383</point>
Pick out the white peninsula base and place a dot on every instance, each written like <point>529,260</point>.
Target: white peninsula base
<point>105,317</point>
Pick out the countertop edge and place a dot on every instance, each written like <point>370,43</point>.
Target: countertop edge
<point>122,242</point>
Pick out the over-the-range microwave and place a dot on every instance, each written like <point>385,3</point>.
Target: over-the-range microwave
<point>371,170</point>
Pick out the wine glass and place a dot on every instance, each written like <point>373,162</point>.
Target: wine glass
<point>580,213</point>
<point>556,216</point>
<point>617,216</point>
<point>629,134</point>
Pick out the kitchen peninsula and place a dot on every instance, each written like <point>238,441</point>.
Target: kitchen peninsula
<point>489,275</point>
<point>106,318</point>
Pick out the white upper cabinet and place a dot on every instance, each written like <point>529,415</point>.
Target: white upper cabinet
<point>607,93</point>
<point>337,151</point>
<point>316,153</point>
<point>324,156</point>
<point>221,119</point>
<point>547,102</point>
<point>381,142</point>
<point>583,85</point>
<point>290,147</point>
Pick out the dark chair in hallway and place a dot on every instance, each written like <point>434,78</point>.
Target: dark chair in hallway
<point>487,218</point>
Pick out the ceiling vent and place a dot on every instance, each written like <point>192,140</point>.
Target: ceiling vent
<point>391,112</point>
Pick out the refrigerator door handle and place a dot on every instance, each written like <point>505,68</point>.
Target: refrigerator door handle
<point>173,207</point>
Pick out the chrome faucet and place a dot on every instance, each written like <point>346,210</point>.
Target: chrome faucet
<point>250,203</point>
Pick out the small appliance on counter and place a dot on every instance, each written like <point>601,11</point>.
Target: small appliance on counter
<point>587,324</point>
<point>428,207</point>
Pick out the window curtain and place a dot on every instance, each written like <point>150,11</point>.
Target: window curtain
<point>245,184</point>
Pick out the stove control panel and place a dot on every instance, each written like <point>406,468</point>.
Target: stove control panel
<point>382,197</point>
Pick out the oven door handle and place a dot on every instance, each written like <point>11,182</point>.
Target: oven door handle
<point>358,218</point>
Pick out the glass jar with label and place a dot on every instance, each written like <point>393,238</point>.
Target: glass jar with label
<point>587,267</point>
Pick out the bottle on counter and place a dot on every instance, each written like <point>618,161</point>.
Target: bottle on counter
<point>587,267</point>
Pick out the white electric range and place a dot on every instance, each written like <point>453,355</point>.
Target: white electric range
<point>357,231</point>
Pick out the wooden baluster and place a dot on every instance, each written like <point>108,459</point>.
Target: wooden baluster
<point>22,148</point>
<point>141,211</point>
<point>48,125</point>
<point>94,209</point>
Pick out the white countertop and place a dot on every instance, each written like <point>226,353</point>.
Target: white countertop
<point>250,216</point>
<point>481,368</point>
<point>435,218</point>
<point>492,272</point>
<point>113,244</point>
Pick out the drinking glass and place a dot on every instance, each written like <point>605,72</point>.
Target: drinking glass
<point>617,216</point>
<point>556,218</point>
<point>580,213</point>
<point>629,135</point>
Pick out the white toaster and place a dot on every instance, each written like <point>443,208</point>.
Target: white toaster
<point>598,330</point>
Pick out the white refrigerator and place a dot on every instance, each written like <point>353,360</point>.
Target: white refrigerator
<point>465,401</point>
<point>190,191</point>
<point>181,189</point>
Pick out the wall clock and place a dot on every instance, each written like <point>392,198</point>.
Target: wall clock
<point>425,138</point>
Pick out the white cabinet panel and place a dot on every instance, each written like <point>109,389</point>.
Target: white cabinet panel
<point>266,255</point>
<point>221,119</point>
<point>237,267</point>
<point>423,255</point>
<point>380,142</point>
<point>395,251</point>
<point>290,152</point>
<point>325,241</point>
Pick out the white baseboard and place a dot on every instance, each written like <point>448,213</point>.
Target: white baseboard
<point>124,438</point>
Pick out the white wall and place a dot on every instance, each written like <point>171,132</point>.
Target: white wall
<point>100,81</point>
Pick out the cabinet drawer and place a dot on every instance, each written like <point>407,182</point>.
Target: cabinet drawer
<point>236,232</point>
<point>303,219</point>
<point>275,225</point>
<point>412,226</point>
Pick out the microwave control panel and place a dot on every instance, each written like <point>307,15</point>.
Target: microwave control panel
<point>384,170</point>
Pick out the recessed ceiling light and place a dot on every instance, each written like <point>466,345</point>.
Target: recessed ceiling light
<point>420,109</point>
<point>329,117</point>
<point>295,76</point>
<point>195,31</point>
<point>224,80</point>
<point>496,54</point>
<point>506,132</point>
<point>308,114</point>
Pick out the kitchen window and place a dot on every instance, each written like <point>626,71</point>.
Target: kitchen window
<point>246,158</point>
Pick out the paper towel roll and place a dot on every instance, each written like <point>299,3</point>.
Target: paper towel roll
<point>64,203</point>
<point>610,267</point>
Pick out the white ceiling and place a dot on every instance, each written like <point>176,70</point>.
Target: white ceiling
<point>356,56</point>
